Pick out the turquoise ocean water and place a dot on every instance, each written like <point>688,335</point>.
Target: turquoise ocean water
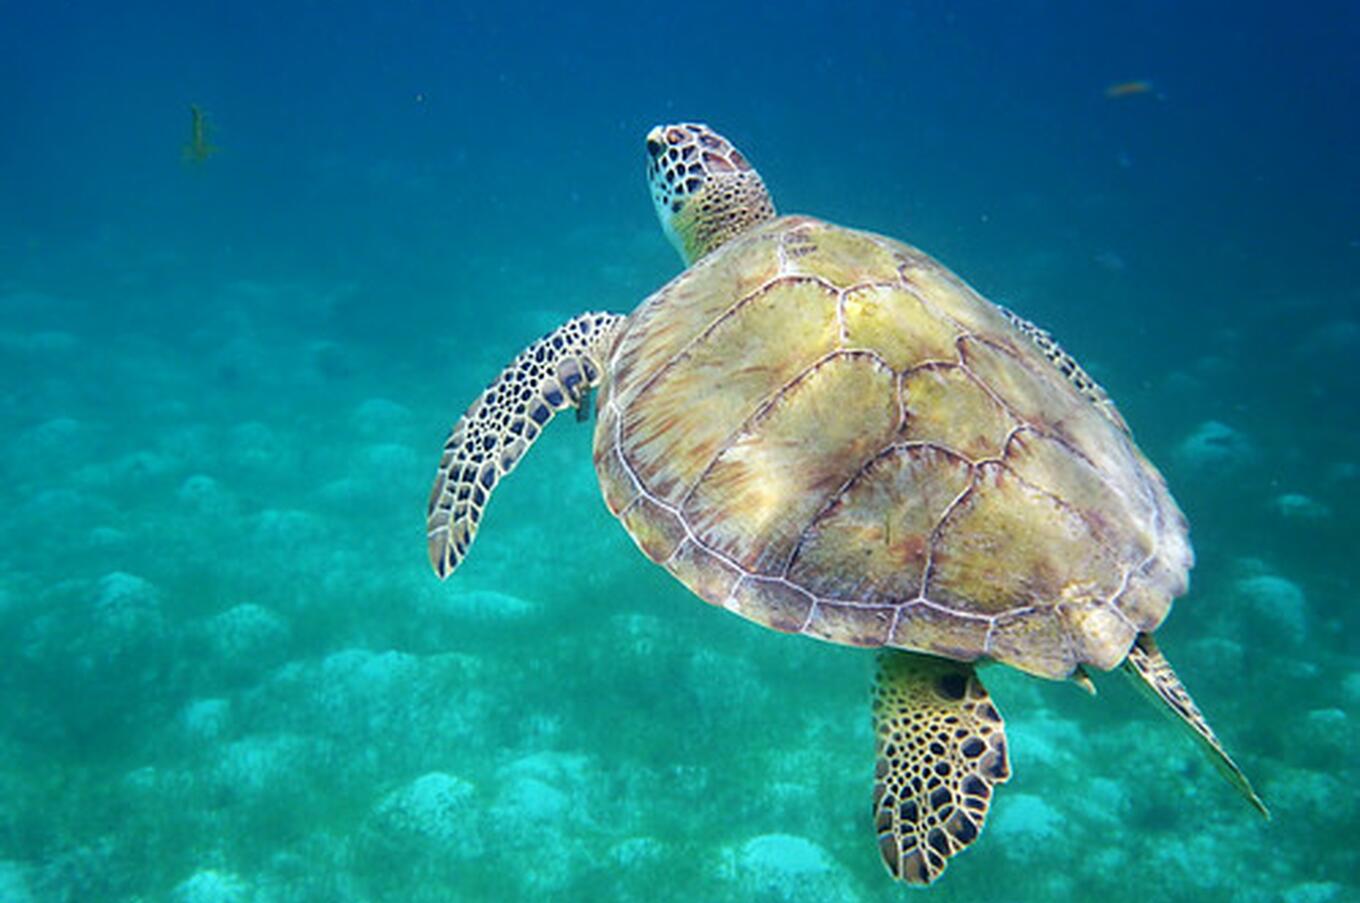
<point>226,671</point>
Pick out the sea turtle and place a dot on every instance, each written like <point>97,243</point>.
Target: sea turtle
<point>827,432</point>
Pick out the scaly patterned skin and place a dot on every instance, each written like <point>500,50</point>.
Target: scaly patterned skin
<point>1068,366</point>
<point>941,751</point>
<point>1154,675</point>
<point>704,191</point>
<point>554,373</point>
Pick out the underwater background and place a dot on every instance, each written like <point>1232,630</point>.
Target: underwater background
<point>226,670</point>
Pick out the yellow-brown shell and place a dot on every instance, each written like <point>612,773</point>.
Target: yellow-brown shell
<point>827,432</point>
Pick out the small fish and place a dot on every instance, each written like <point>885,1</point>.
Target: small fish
<point>1128,89</point>
<point>198,149</point>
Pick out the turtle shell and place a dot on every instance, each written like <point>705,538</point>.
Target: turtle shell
<point>827,432</point>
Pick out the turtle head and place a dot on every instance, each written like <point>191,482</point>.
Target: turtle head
<point>704,190</point>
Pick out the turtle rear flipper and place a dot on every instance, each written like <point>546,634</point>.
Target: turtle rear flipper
<point>554,373</point>
<point>1154,675</point>
<point>941,750</point>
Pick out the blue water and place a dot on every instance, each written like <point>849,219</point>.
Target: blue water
<point>226,673</point>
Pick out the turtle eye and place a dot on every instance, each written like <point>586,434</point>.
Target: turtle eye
<point>654,147</point>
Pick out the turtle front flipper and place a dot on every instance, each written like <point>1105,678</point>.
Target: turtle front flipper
<point>941,750</point>
<point>1153,674</point>
<point>1068,367</point>
<point>553,373</point>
